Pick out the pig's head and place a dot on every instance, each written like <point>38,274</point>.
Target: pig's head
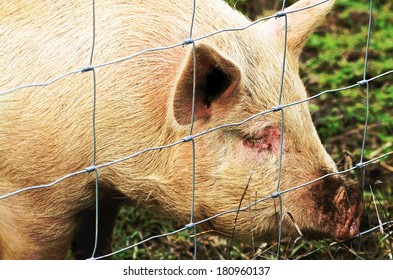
<point>239,75</point>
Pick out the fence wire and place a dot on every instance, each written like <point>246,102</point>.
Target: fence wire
<point>94,168</point>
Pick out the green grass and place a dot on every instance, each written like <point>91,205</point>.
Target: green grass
<point>337,59</point>
<point>333,58</point>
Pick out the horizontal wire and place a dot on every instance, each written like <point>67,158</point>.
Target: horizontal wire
<point>156,49</point>
<point>92,168</point>
<point>192,137</point>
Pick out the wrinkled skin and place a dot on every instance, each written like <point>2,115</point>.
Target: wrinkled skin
<point>146,102</point>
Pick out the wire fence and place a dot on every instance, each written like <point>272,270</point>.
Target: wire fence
<point>280,107</point>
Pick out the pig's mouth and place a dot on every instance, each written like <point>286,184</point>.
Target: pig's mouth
<point>344,227</point>
<point>350,229</point>
<point>351,222</point>
<point>336,211</point>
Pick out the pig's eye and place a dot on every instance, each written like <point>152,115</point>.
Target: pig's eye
<point>256,141</point>
<point>265,139</point>
<point>256,138</point>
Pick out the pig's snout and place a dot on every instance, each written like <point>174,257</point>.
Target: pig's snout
<point>349,203</point>
<point>338,208</point>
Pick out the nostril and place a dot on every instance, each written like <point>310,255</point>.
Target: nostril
<point>353,230</point>
<point>351,225</point>
<point>350,205</point>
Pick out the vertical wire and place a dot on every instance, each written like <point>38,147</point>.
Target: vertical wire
<point>365,133</point>
<point>94,32</point>
<point>283,5</point>
<point>364,79</point>
<point>278,185</point>
<point>363,170</point>
<point>281,134</point>
<point>94,129</point>
<point>193,17</point>
<point>192,127</point>
<point>193,198</point>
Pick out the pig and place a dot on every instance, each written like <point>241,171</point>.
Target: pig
<point>146,101</point>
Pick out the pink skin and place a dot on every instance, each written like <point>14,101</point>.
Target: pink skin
<point>258,145</point>
<point>266,139</point>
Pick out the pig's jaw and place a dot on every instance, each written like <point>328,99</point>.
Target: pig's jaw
<point>330,209</point>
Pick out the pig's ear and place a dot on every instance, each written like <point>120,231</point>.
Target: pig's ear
<point>300,24</point>
<point>216,79</point>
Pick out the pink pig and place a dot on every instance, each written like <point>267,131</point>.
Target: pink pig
<point>146,101</point>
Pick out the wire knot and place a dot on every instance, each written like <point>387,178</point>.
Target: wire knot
<point>362,82</point>
<point>188,41</point>
<point>91,169</point>
<point>275,194</point>
<point>360,165</point>
<point>190,226</point>
<point>87,68</point>
<point>188,138</point>
<point>280,14</point>
<point>278,108</point>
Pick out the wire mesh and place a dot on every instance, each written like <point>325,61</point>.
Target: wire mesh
<point>94,168</point>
